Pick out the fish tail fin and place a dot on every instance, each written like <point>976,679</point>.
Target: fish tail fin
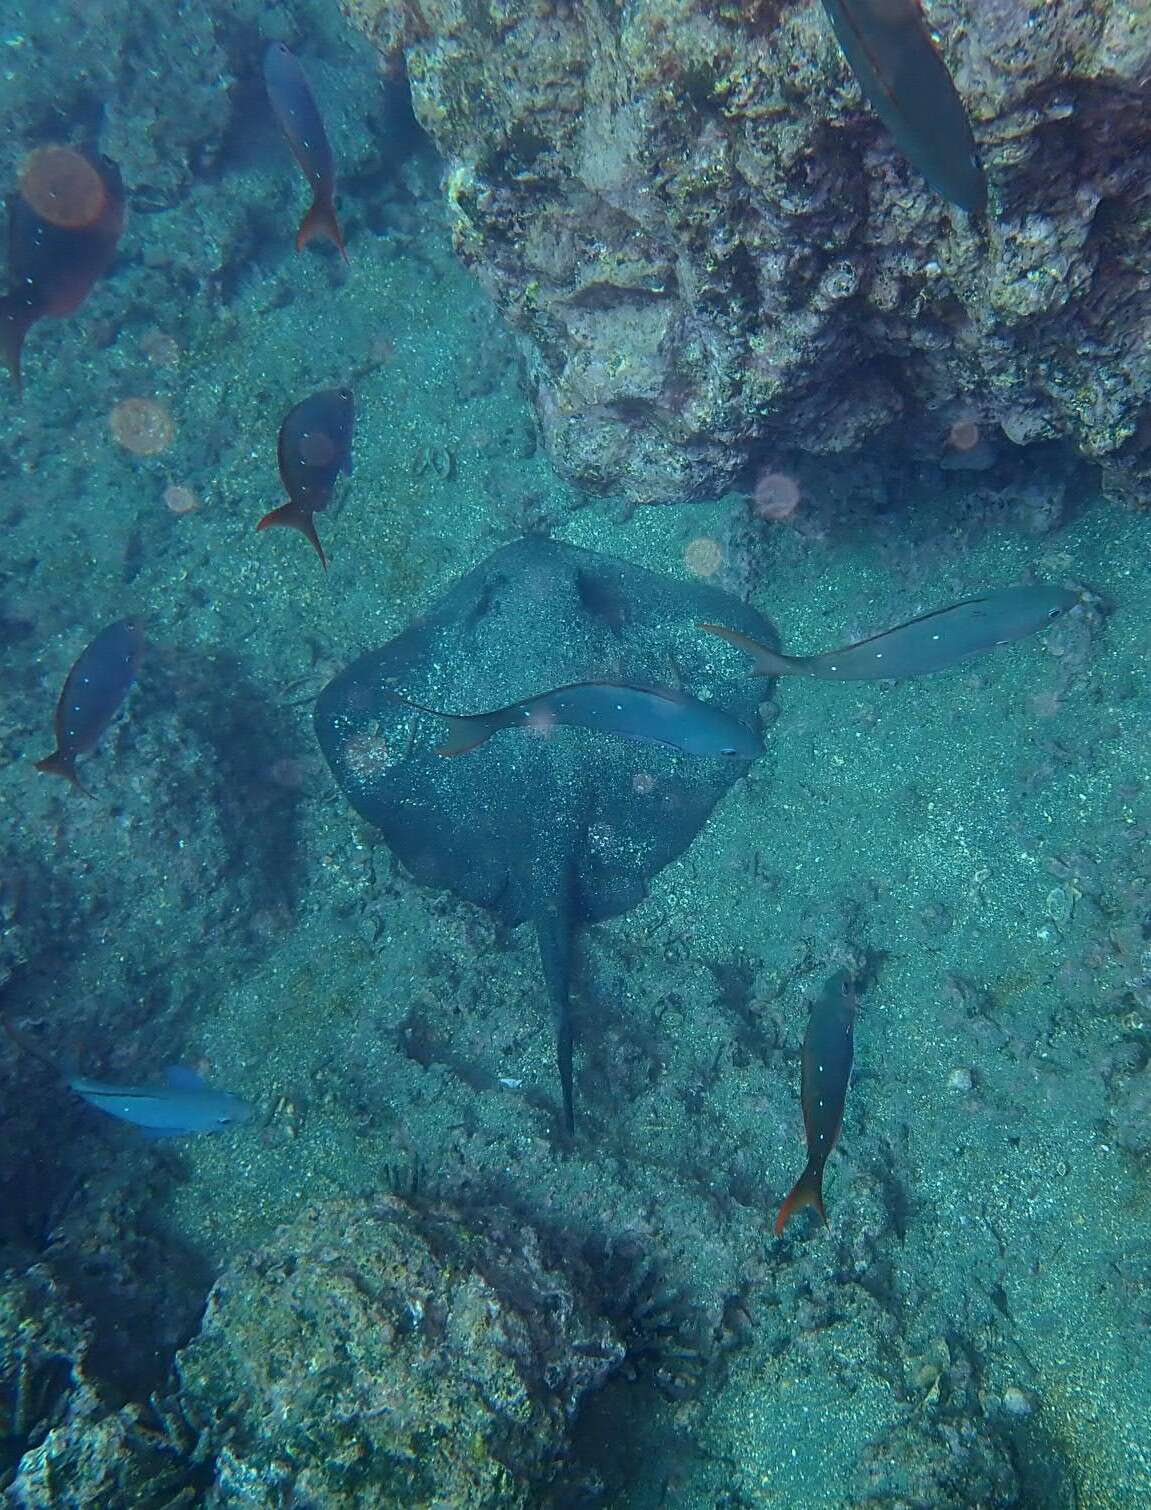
<point>295,518</point>
<point>321,221</point>
<point>465,732</point>
<point>16,319</point>
<point>767,662</point>
<point>58,764</point>
<point>807,1191</point>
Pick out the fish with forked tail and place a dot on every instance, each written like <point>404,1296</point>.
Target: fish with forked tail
<point>314,447</point>
<point>294,106</point>
<point>933,642</point>
<point>93,690</point>
<point>828,1050</point>
<point>659,714</point>
<point>184,1104</point>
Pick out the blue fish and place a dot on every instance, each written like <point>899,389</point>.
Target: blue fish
<point>933,642</point>
<point>184,1104</point>
<point>659,714</point>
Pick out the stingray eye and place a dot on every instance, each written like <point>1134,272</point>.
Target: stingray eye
<point>728,750</point>
<point>1053,613</point>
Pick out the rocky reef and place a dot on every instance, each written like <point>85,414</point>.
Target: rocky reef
<point>370,1353</point>
<point>61,1441</point>
<point>714,252</point>
<point>389,1355</point>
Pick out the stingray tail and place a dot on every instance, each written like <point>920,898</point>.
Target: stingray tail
<point>554,932</point>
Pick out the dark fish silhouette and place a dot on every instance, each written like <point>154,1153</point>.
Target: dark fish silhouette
<point>315,446</point>
<point>907,82</point>
<point>658,714</point>
<point>95,687</point>
<point>931,643</point>
<point>294,106</point>
<point>556,833</point>
<point>63,228</point>
<point>828,1049</point>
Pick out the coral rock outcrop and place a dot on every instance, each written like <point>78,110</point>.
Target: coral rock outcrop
<point>712,248</point>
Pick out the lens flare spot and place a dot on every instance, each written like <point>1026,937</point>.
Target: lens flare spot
<point>63,187</point>
<point>181,500</point>
<point>963,435</point>
<point>703,556</point>
<point>776,495</point>
<point>142,426</point>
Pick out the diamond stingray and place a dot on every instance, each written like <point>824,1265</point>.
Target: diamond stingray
<point>558,829</point>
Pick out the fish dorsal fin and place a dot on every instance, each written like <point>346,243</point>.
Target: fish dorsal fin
<point>180,1077</point>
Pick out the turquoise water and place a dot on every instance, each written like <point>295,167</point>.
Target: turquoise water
<point>976,1311</point>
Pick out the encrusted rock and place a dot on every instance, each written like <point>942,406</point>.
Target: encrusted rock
<point>60,1444</point>
<point>388,1356</point>
<point>711,246</point>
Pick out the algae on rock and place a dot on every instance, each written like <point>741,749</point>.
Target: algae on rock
<point>379,1356</point>
<point>710,246</point>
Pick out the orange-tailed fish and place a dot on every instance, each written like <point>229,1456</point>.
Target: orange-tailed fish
<point>95,687</point>
<point>294,106</point>
<point>63,228</point>
<point>828,1048</point>
<point>907,82</point>
<point>314,447</point>
<point>658,714</point>
<point>932,642</point>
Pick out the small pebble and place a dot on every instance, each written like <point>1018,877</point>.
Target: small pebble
<point>1019,1402</point>
<point>961,1079</point>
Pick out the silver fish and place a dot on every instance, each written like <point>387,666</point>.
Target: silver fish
<point>658,714</point>
<point>930,643</point>
<point>184,1104</point>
